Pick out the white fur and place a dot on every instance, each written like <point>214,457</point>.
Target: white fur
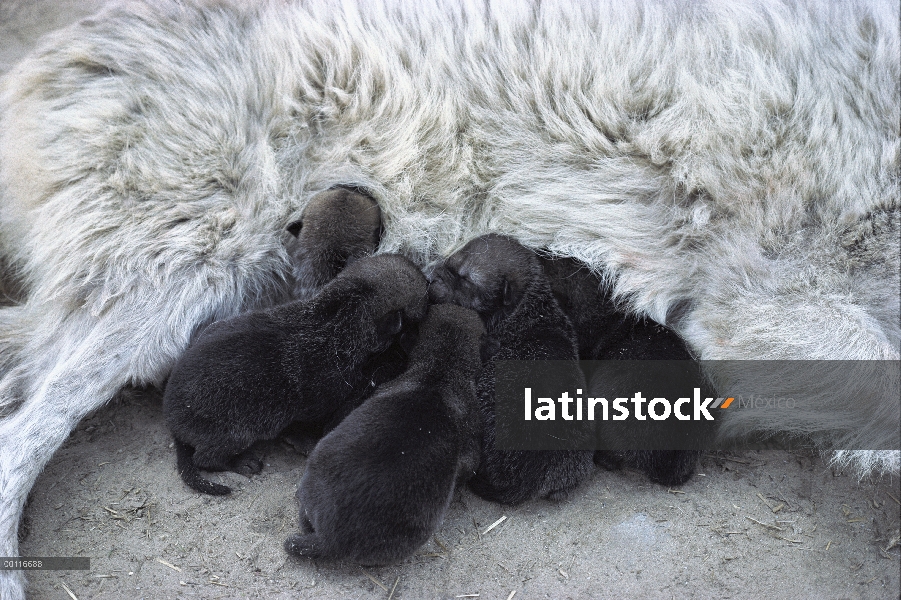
<point>738,159</point>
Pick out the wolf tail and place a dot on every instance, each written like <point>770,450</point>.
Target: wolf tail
<point>12,320</point>
<point>14,326</point>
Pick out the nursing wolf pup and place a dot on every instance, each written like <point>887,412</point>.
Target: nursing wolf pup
<point>715,172</point>
<point>621,442</point>
<point>247,378</point>
<point>605,333</point>
<point>337,226</point>
<point>377,487</point>
<point>503,281</point>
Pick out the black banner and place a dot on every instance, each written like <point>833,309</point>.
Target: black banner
<point>706,405</point>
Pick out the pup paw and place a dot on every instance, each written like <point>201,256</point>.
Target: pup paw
<point>247,464</point>
<point>608,460</point>
<point>558,495</point>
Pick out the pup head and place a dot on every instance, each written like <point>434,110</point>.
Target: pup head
<point>338,226</point>
<point>399,294</point>
<point>450,330</point>
<point>490,275</point>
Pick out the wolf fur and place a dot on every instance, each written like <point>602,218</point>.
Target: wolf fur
<point>732,163</point>
<point>504,282</point>
<point>248,377</point>
<point>377,487</point>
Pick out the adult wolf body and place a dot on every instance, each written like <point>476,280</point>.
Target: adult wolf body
<point>733,169</point>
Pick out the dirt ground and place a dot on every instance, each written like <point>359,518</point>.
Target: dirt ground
<point>771,524</point>
<point>762,524</point>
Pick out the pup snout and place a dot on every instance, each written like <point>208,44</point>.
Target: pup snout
<point>439,291</point>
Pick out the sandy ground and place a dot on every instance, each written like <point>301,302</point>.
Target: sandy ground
<point>771,524</point>
<point>762,524</point>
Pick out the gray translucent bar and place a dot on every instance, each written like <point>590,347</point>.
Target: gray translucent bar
<point>849,405</point>
<point>45,563</point>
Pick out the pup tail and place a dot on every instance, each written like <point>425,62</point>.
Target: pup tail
<point>306,545</point>
<point>191,476</point>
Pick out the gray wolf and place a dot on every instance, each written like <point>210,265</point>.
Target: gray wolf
<point>731,168</point>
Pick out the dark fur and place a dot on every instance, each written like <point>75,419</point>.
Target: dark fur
<point>503,281</point>
<point>379,369</point>
<point>607,333</point>
<point>599,324</point>
<point>377,487</point>
<point>338,226</point>
<point>246,378</point>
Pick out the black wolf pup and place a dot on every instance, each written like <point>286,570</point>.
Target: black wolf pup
<point>503,281</point>
<point>378,485</point>
<point>246,378</point>
<point>606,332</point>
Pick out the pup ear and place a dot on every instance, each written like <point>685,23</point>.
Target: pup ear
<point>294,228</point>
<point>488,347</point>
<point>507,293</point>
<point>408,338</point>
<point>392,324</point>
<point>352,258</point>
<point>378,233</point>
